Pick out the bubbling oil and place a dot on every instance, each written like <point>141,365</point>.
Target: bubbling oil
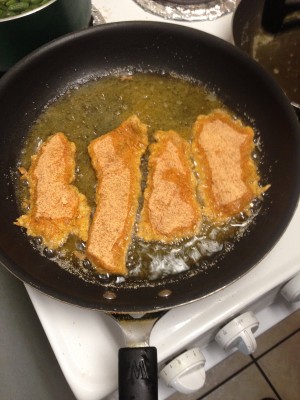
<point>163,102</point>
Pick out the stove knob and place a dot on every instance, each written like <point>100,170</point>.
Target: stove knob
<point>291,290</point>
<point>186,372</point>
<point>239,333</point>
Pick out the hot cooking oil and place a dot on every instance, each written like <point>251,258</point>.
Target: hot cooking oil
<point>82,113</point>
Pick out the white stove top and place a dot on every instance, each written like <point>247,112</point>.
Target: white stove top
<point>128,10</point>
<point>86,342</point>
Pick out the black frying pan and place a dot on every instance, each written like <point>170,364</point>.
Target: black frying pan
<point>241,84</point>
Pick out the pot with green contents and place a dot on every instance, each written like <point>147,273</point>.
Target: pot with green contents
<point>28,24</point>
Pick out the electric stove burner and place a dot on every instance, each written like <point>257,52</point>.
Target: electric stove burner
<point>189,10</point>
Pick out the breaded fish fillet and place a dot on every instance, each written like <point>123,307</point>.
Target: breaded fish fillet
<point>57,209</point>
<point>170,209</point>
<point>229,181</point>
<point>116,158</point>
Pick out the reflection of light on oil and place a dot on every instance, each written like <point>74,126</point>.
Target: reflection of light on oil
<point>90,110</point>
<point>259,40</point>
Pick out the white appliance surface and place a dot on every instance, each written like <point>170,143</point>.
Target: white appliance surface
<point>86,342</point>
<point>128,10</point>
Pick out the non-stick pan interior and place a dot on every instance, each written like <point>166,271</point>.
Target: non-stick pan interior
<point>148,46</point>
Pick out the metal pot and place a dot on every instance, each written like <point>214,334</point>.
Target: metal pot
<point>23,33</point>
<point>278,53</point>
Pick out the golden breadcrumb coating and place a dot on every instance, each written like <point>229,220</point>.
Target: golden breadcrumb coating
<point>57,209</point>
<point>170,209</point>
<point>228,177</point>
<point>116,158</point>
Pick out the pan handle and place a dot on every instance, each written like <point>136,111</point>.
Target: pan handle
<point>138,373</point>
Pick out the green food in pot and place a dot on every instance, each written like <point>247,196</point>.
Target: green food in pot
<point>10,8</point>
<point>24,32</point>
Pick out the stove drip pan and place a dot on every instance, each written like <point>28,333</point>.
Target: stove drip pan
<point>189,10</point>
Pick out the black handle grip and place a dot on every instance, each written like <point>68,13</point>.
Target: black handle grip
<point>138,373</point>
